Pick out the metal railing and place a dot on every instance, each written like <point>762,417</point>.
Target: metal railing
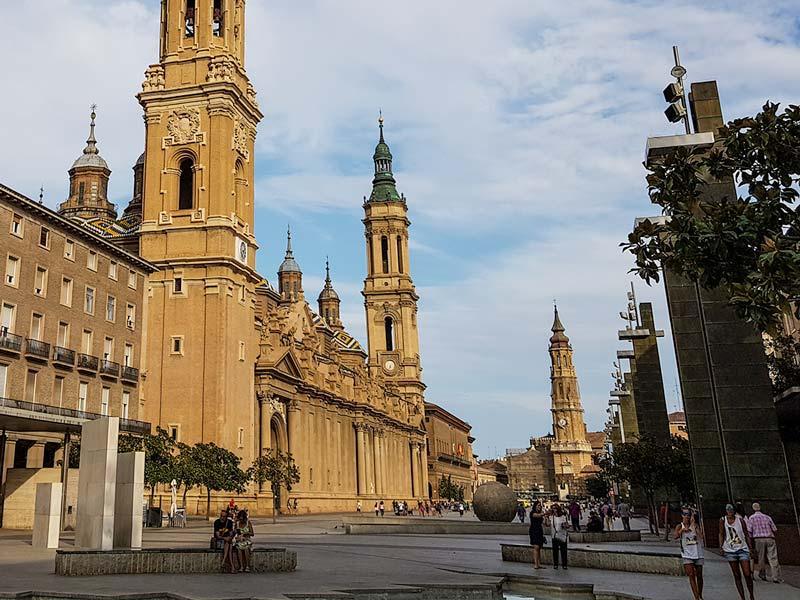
<point>108,367</point>
<point>130,373</point>
<point>129,425</point>
<point>10,341</point>
<point>88,362</point>
<point>65,356</point>
<point>37,348</point>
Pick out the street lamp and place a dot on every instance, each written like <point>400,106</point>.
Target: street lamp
<point>675,95</point>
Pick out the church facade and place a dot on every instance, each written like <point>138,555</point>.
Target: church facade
<point>228,357</point>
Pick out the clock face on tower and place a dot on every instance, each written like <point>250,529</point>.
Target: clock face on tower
<point>562,422</point>
<point>241,250</point>
<point>389,366</point>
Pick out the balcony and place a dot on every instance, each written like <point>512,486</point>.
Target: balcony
<point>130,373</point>
<point>37,349</point>
<point>63,356</point>
<point>88,363</point>
<point>109,369</point>
<point>10,342</point>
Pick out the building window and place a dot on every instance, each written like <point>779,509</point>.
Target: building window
<point>385,253</point>
<point>176,344</point>
<point>91,260</point>
<point>30,386</point>
<point>108,348</point>
<point>3,379</point>
<point>7,317</point>
<point>240,440</point>
<point>81,192</point>
<point>126,402</point>
<point>132,279</point>
<point>69,250</point>
<point>87,342</point>
<point>83,395</point>
<point>104,399</point>
<point>112,270</point>
<point>189,19</point>
<point>37,326</point>
<point>130,316</point>
<point>175,432</point>
<point>400,254</point>
<point>111,309</point>
<point>127,359</point>
<point>88,304</point>
<point>218,16</point>
<point>186,191</point>
<point>44,238</point>
<point>370,257</point>
<point>40,281</point>
<point>17,225</point>
<point>66,291</point>
<point>177,285</point>
<point>388,324</point>
<point>12,271</point>
<point>63,335</point>
<point>58,391</point>
<point>241,351</point>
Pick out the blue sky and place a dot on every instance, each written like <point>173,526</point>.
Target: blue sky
<point>518,130</point>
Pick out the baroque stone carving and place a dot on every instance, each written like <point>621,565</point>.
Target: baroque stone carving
<point>220,69</point>
<point>153,79</point>
<point>241,138</point>
<point>183,125</point>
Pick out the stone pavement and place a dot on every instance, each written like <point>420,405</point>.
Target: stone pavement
<point>329,560</point>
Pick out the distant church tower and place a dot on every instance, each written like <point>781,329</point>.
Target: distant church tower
<point>329,302</point>
<point>389,294</point>
<point>88,183</point>
<point>201,114</point>
<point>571,450</point>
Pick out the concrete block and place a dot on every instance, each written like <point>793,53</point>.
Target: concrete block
<point>128,500</point>
<point>97,484</point>
<point>47,515</point>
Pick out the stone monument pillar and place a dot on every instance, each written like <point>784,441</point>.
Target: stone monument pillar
<point>128,500</point>
<point>97,483</point>
<point>47,515</point>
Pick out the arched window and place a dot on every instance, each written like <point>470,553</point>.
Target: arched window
<point>218,16</point>
<point>81,192</point>
<point>385,253</point>
<point>388,325</point>
<point>189,18</point>
<point>186,192</point>
<point>370,257</point>
<point>400,253</point>
<point>240,184</point>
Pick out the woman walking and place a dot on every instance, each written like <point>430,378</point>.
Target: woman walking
<point>691,535</point>
<point>560,527</point>
<point>734,539</point>
<point>244,540</point>
<point>536,532</point>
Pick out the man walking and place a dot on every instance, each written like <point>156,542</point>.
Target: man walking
<point>762,530</point>
<point>575,515</point>
<point>624,510</point>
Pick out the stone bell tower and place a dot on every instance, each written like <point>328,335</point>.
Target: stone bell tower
<point>389,294</point>
<point>201,115</point>
<point>571,450</point>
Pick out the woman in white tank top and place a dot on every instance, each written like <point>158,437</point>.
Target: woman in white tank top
<point>690,534</point>
<point>734,539</point>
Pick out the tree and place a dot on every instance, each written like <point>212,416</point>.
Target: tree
<point>449,490</point>
<point>783,352</point>
<point>186,470</point>
<point>280,470</point>
<point>218,470</point>
<point>159,459</point>
<point>653,467</point>
<point>597,487</point>
<point>747,245</point>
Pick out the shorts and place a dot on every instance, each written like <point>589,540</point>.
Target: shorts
<point>697,562</point>
<point>738,556</point>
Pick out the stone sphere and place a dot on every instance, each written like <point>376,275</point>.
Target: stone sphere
<point>494,501</point>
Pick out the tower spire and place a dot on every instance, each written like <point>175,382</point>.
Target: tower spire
<point>380,124</point>
<point>557,328</point>
<point>91,143</point>
<point>383,184</point>
<point>288,242</point>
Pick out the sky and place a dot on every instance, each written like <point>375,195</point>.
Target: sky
<point>518,130</point>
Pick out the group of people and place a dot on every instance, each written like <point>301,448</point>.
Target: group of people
<point>233,534</point>
<point>401,508</point>
<point>555,519</point>
<point>601,516</point>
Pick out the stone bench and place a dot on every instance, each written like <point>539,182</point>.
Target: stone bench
<point>660,563</point>
<point>165,560</point>
<point>604,537</point>
<point>429,526</point>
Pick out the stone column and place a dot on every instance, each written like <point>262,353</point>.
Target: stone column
<point>294,428</point>
<point>413,461</point>
<point>424,458</point>
<point>128,501</point>
<point>370,460</point>
<point>35,458</point>
<point>378,463</point>
<point>64,476</point>
<point>264,435</point>
<point>97,482</point>
<point>47,515</point>
<point>360,458</point>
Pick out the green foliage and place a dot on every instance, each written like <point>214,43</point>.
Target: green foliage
<point>747,245</point>
<point>279,469</point>
<point>449,490</point>
<point>597,487</point>
<point>159,456</point>
<point>217,469</point>
<point>782,361</point>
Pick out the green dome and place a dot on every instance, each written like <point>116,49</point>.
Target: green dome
<point>383,185</point>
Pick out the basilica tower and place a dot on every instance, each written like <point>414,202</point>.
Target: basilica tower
<point>571,450</point>
<point>201,115</point>
<point>389,295</point>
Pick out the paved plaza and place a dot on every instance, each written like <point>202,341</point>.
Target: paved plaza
<point>329,560</point>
